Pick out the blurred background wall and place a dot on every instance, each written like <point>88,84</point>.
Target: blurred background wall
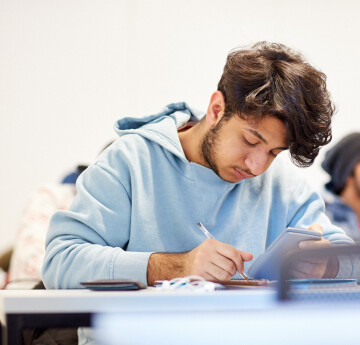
<point>70,68</point>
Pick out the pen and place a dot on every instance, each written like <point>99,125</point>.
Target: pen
<point>208,235</point>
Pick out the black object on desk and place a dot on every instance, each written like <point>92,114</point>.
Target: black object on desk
<point>114,285</point>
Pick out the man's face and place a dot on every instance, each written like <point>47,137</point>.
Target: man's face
<point>236,150</point>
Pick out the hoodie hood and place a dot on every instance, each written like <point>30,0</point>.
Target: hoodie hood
<point>161,127</point>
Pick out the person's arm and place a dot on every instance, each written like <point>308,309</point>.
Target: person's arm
<point>86,242</point>
<point>212,260</point>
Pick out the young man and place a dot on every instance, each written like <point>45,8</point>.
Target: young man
<point>342,192</point>
<point>137,207</point>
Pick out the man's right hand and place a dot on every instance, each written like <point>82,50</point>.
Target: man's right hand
<point>212,260</point>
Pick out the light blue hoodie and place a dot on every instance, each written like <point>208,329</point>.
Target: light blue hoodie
<point>142,196</point>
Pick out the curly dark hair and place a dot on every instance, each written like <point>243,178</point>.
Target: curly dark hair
<point>270,79</point>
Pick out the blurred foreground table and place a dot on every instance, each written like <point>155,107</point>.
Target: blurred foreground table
<point>22,309</point>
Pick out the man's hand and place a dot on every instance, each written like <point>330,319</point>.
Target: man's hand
<point>212,260</point>
<point>312,267</point>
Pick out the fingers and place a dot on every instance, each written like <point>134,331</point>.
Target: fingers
<point>314,244</point>
<point>307,269</point>
<point>312,268</point>
<point>236,256</point>
<point>316,227</point>
<point>216,260</point>
<point>246,256</point>
<point>222,266</point>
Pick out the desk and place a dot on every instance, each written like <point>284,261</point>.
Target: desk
<point>21,309</point>
<point>286,323</point>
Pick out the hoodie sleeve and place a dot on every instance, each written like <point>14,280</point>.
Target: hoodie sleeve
<point>80,246</point>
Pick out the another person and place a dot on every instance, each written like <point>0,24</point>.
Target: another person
<point>342,192</point>
<point>137,206</point>
<point>29,246</point>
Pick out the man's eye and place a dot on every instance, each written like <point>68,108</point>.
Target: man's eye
<point>248,142</point>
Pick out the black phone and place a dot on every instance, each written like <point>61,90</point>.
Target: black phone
<point>113,285</point>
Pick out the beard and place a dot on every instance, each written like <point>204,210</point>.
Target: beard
<point>209,146</point>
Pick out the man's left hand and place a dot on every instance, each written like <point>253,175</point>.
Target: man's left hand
<point>312,267</point>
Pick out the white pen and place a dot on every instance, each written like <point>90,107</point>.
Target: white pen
<point>208,235</point>
<point>205,231</point>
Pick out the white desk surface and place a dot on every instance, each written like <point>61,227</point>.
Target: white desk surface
<point>286,323</point>
<point>251,316</point>
<point>150,299</point>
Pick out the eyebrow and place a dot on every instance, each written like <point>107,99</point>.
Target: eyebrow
<point>257,134</point>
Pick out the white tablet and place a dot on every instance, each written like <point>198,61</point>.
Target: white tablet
<point>267,265</point>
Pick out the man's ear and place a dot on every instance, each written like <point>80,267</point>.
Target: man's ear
<point>216,108</point>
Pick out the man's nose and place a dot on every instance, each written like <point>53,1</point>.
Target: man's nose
<point>257,163</point>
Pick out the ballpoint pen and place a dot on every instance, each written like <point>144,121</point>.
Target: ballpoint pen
<point>208,235</point>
